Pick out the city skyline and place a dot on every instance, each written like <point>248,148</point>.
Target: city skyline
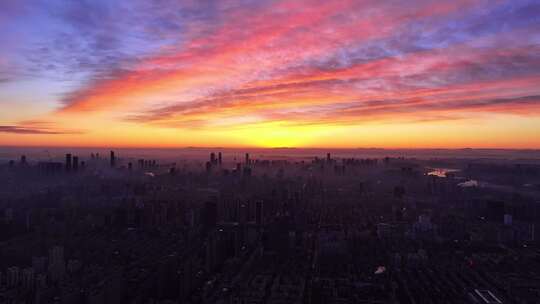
<point>336,74</point>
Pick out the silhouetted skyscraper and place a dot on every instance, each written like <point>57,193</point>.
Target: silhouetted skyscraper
<point>130,166</point>
<point>113,160</point>
<point>75,163</point>
<point>23,160</point>
<point>68,162</point>
<point>247,158</point>
<point>219,158</point>
<point>57,266</point>
<point>328,157</point>
<point>246,172</point>
<point>259,213</point>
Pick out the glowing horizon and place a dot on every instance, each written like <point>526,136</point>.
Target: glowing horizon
<point>240,73</point>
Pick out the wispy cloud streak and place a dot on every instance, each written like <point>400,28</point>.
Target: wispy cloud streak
<point>201,64</point>
<point>32,130</point>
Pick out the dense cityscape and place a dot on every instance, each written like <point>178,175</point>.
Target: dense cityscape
<point>229,227</point>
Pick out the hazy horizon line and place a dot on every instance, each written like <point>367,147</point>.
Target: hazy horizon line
<point>267,148</point>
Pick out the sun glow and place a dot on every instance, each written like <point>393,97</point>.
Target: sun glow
<point>273,74</point>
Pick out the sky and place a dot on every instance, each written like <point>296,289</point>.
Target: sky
<point>263,73</point>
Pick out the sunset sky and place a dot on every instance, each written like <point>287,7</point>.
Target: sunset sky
<point>240,73</point>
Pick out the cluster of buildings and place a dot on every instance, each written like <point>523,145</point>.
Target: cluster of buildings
<point>243,229</point>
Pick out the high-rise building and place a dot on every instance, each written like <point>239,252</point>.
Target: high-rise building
<point>508,219</point>
<point>28,278</point>
<point>23,160</point>
<point>220,160</point>
<point>68,162</point>
<point>57,265</point>
<point>113,160</point>
<point>56,255</point>
<point>13,276</point>
<point>247,158</point>
<point>75,163</point>
<point>213,158</point>
<point>259,213</point>
<point>246,172</point>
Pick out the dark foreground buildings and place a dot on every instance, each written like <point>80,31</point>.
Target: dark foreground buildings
<point>324,229</point>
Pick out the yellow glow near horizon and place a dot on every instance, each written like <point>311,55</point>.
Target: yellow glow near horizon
<point>279,134</point>
<point>278,74</point>
<point>502,131</point>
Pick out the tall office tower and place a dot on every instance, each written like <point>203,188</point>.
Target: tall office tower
<point>508,219</point>
<point>130,166</point>
<point>57,266</point>
<point>13,276</point>
<point>220,160</point>
<point>213,158</point>
<point>23,159</point>
<point>259,213</point>
<point>56,255</point>
<point>75,163</point>
<point>247,158</point>
<point>246,172</point>
<point>113,160</point>
<point>28,278</point>
<point>68,162</point>
<point>328,157</point>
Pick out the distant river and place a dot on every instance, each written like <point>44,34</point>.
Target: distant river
<point>441,172</point>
